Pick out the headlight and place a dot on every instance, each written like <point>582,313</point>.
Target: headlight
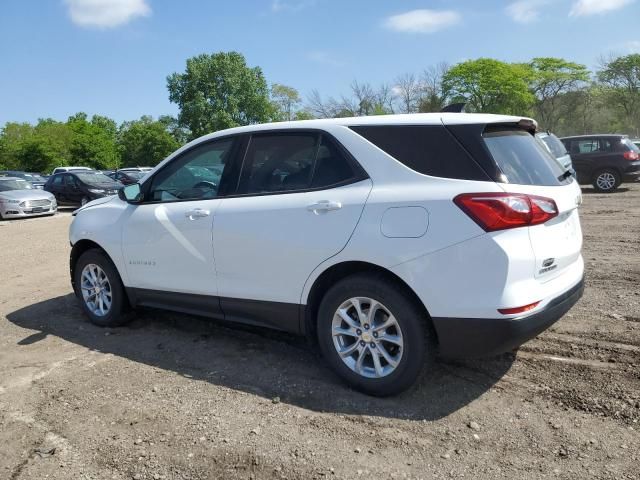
<point>98,191</point>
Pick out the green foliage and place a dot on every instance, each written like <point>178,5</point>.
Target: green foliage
<point>551,79</point>
<point>92,144</point>
<point>219,91</point>
<point>620,79</point>
<point>145,142</point>
<point>490,86</point>
<point>285,100</point>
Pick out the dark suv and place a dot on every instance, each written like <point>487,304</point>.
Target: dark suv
<point>605,161</point>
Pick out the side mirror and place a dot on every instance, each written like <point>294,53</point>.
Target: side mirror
<point>131,193</point>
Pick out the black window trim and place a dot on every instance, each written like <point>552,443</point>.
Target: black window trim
<point>359,172</point>
<point>230,182</point>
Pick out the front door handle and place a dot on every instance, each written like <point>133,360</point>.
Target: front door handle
<point>197,213</point>
<point>324,206</point>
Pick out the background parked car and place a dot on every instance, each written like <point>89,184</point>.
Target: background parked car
<point>35,179</point>
<point>80,187</point>
<point>636,142</point>
<point>557,149</point>
<point>127,177</point>
<point>69,169</point>
<point>19,199</point>
<point>605,161</point>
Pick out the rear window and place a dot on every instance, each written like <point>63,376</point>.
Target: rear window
<point>632,146</point>
<point>430,150</point>
<point>555,145</point>
<point>521,159</point>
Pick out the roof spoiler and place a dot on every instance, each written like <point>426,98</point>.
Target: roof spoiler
<point>454,108</point>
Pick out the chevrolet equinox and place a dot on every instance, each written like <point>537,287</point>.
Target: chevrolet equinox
<point>385,239</point>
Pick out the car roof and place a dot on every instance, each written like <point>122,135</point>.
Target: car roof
<point>13,178</point>
<point>396,119</point>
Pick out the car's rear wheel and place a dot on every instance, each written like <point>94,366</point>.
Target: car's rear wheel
<point>606,180</point>
<point>100,290</point>
<point>373,334</point>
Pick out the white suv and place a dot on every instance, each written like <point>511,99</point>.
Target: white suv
<point>387,239</point>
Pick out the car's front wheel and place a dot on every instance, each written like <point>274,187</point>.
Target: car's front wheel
<point>100,290</point>
<point>606,180</point>
<point>373,334</point>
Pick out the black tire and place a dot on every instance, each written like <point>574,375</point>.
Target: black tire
<point>419,345</point>
<point>610,174</point>
<point>119,312</point>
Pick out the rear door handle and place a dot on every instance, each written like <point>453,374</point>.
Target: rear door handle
<point>324,206</point>
<point>197,213</point>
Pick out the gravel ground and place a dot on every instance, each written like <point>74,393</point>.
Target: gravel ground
<point>175,397</point>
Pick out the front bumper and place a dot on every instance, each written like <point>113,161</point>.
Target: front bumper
<point>484,337</point>
<point>16,211</point>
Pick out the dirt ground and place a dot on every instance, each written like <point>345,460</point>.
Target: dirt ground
<point>175,397</point>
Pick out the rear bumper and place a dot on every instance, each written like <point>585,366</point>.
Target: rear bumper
<point>483,337</point>
<point>631,177</point>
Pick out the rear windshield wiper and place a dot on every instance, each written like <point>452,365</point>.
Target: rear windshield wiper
<point>566,174</point>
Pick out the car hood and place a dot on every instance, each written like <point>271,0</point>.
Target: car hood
<point>95,203</point>
<point>26,195</point>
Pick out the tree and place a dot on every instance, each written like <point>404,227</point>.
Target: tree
<point>92,144</point>
<point>408,90</point>
<point>286,100</point>
<point>620,78</point>
<point>490,86</point>
<point>219,91</point>
<point>12,138</point>
<point>551,79</point>
<point>145,142</point>
<point>434,96</point>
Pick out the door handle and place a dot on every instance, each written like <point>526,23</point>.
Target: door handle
<point>324,206</point>
<point>197,213</point>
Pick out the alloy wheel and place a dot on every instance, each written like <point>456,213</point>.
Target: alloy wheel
<point>606,181</point>
<point>96,290</point>
<point>367,337</point>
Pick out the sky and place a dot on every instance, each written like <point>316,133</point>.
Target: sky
<point>112,57</point>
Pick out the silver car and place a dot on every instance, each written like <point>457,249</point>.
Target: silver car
<point>557,149</point>
<point>18,199</point>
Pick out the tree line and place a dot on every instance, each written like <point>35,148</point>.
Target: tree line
<point>220,91</point>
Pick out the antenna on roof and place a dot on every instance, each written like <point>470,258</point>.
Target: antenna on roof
<point>454,108</point>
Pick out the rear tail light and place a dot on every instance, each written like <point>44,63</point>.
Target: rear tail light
<point>629,155</point>
<point>524,308</point>
<point>500,211</point>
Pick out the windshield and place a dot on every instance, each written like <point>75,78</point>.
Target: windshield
<point>94,178</point>
<point>8,185</point>
<point>521,158</point>
<point>555,145</point>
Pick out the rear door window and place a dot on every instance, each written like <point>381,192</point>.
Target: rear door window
<point>289,162</point>
<point>520,158</point>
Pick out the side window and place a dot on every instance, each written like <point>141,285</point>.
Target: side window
<point>70,181</point>
<point>331,165</point>
<point>426,149</point>
<point>591,145</point>
<point>57,180</point>
<point>278,163</point>
<point>195,175</point>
